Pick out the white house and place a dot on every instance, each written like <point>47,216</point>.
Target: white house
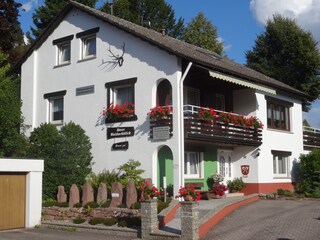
<point>86,60</point>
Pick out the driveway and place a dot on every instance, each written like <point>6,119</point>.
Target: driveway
<point>54,234</point>
<point>271,219</point>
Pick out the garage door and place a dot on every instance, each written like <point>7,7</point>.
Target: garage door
<point>12,200</point>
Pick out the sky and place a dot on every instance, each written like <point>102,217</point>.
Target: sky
<point>238,23</point>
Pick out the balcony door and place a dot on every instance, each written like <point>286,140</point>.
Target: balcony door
<point>191,96</point>
<point>225,164</point>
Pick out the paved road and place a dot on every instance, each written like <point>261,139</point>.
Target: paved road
<point>54,234</point>
<point>271,219</point>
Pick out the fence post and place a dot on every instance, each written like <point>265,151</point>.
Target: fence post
<point>189,220</point>
<point>149,218</point>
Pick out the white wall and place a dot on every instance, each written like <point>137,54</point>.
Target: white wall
<point>279,140</point>
<point>141,59</point>
<point>33,169</point>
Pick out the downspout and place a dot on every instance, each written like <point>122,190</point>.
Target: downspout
<point>181,119</point>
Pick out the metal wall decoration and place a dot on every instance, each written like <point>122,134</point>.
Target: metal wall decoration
<point>117,58</point>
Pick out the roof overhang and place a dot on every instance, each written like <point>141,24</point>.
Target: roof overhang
<point>242,82</point>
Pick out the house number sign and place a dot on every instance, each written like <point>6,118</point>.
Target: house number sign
<point>120,146</point>
<point>120,132</point>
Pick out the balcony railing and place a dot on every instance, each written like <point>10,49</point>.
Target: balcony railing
<point>311,138</point>
<point>198,129</point>
<point>219,132</point>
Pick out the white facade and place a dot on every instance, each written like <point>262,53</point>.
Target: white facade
<point>149,64</point>
<point>33,170</point>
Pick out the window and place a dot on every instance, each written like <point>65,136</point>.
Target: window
<point>193,164</point>
<point>56,106</point>
<point>191,96</point>
<point>219,102</point>
<point>89,47</point>
<point>63,50</point>
<point>281,163</point>
<point>88,43</point>
<point>121,92</point>
<point>278,114</point>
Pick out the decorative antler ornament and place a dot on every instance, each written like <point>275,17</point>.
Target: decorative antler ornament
<point>117,58</point>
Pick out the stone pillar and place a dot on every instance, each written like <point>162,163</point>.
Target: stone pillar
<point>189,220</point>
<point>149,218</point>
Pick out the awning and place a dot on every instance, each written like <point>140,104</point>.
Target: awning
<point>242,82</point>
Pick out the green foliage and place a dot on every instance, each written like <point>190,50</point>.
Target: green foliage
<point>129,221</point>
<point>97,220</point>
<point>78,220</point>
<point>66,154</point>
<point>50,8</point>
<point>156,14</point>
<point>162,205</point>
<point>106,176</point>
<point>110,221</point>
<point>202,33</point>
<point>310,174</point>
<point>106,204</point>
<point>12,142</point>
<point>237,184</point>
<point>91,205</point>
<point>50,202</point>
<point>284,192</point>
<point>136,205</point>
<point>122,223</point>
<point>130,171</point>
<point>62,204</point>
<point>289,54</point>
<point>77,205</point>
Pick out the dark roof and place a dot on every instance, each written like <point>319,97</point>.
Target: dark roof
<point>176,47</point>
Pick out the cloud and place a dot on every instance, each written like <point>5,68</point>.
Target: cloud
<point>29,5</point>
<point>225,47</point>
<point>305,12</point>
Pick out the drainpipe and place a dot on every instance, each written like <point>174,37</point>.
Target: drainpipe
<point>181,121</point>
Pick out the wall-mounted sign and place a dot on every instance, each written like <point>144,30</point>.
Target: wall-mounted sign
<point>119,132</point>
<point>161,133</point>
<point>245,170</point>
<point>120,146</point>
<point>114,195</point>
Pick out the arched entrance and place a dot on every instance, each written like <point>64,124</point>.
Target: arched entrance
<point>165,166</point>
<point>164,93</point>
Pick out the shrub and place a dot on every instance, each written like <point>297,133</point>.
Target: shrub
<point>122,223</point>
<point>136,205</point>
<point>97,220</point>
<point>66,154</point>
<point>77,205</point>
<point>235,185</point>
<point>285,193</point>
<point>130,171</point>
<point>78,220</point>
<point>110,221</point>
<point>162,205</point>
<point>106,204</point>
<point>310,174</point>
<point>91,205</point>
<point>61,204</point>
<point>106,176</point>
<point>49,202</point>
<point>131,221</point>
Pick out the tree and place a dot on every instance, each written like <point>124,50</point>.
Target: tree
<point>202,33</point>
<point>45,13</point>
<point>156,14</point>
<point>11,121</point>
<point>289,54</point>
<point>66,153</point>
<point>10,30</point>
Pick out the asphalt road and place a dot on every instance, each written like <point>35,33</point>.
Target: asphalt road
<point>54,234</point>
<point>271,219</point>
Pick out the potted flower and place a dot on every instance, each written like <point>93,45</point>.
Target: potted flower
<point>160,112</point>
<point>219,189</point>
<point>188,193</point>
<point>147,192</point>
<point>119,112</point>
<point>207,114</point>
<point>236,185</point>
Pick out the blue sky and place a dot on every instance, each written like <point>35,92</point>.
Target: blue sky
<point>238,22</point>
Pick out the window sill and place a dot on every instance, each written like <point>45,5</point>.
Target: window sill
<point>87,58</point>
<point>279,130</point>
<point>131,119</point>
<point>62,65</point>
<point>279,177</point>
<point>56,123</point>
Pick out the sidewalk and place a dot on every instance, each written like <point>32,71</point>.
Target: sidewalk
<point>210,213</point>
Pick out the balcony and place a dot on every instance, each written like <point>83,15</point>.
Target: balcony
<point>216,131</point>
<point>311,138</point>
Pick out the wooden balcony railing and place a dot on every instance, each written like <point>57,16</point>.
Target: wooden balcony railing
<point>311,138</point>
